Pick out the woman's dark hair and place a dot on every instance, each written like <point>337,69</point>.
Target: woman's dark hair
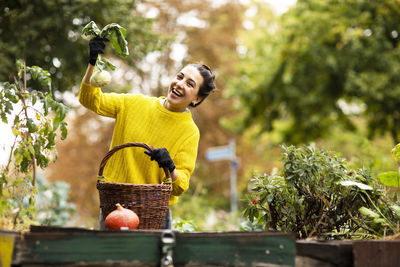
<point>208,82</point>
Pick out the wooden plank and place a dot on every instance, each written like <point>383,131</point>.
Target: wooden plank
<point>372,253</point>
<point>234,249</point>
<point>112,247</point>
<point>7,244</point>
<point>82,247</point>
<point>329,253</point>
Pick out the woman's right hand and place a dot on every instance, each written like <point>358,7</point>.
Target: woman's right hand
<point>96,47</point>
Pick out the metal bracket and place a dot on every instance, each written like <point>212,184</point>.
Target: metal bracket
<point>167,244</point>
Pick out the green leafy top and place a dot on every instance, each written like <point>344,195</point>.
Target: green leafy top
<point>113,32</point>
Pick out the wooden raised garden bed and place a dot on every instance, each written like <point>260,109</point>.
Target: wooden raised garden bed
<point>56,246</point>
<point>49,246</point>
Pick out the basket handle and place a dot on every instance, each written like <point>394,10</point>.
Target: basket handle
<point>134,144</point>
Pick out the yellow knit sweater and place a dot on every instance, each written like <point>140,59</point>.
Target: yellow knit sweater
<point>143,119</point>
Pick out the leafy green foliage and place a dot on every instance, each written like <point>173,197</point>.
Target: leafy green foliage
<point>116,34</point>
<point>327,56</point>
<point>183,225</point>
<point>52,205</point>
<point>392,178</point>
<point>318,194</point>
<point>52,40</point>
<point>113,32</point>
<point>35,118</point>
<point>91,30</point>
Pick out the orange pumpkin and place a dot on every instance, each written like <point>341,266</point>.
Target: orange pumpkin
<point>121,217</point>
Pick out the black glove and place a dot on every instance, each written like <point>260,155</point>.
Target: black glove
<point>161,155</point>
<point>96,47</point>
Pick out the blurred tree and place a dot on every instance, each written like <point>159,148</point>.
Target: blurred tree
<point>47,33</point>
<point>329,56</point>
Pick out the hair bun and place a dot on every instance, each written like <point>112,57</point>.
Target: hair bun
<point>209,69</point>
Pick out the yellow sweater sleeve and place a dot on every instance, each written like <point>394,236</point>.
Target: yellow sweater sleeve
<point>103,104</point>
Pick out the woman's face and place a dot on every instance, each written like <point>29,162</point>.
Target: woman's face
<point>183,89</point>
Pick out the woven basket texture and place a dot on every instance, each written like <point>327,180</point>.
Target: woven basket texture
<point>149,201</point>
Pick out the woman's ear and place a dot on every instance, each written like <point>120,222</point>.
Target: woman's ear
<point>197,100</point>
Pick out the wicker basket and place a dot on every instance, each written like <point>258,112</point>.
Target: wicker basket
<point>149,201</point>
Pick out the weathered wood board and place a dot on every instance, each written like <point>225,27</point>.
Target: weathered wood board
<point>80,247</point>
<point>67,247</point>
<point>331,253</point>
<point>374,253</point>
<point>234,249</point>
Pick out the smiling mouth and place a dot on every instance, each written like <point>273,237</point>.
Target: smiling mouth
<point>176,93</point>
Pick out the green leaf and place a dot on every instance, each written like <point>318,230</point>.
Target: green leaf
<point>368,212</point>
<point>31,149</point>
<point>396,209</point>
<point>101,63</point>
<point>27,155</point>
<point>56,122</point>
<point>379,220</point>
<point>25,164</point>
<point>109,64</point>
<point>16,121</point>
<point>8,107</point>
<point>116,34</point>
<point>390,178</point>
<point>62,111</point>
<point>18,156</point>
<point>91,30</point>
<point>33,99</point>
<point>43,76</point>
<point>10,93</point>
<point>20,64</point>
<point>4,117</point>
<point>45,106</point>
<point>359,185</point>
<point>50,140</point>
<point>396,152</point>
<point>64,131</point>
<point>31,125</point>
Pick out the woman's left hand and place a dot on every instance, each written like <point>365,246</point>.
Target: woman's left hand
<point>161,155</point>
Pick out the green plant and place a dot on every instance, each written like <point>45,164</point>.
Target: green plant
<point>35,118</point>
<point>183,225</point>
<point>392,178</point>
<point>52,206</point>
<point>318,194</point>
<point>116,35</point>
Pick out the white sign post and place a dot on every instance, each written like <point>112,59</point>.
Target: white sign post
<point>227,153</point>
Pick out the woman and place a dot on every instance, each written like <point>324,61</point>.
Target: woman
<point>165,123</point>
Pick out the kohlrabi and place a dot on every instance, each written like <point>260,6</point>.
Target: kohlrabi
<point>100,78</point>
<point>116,35</point>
